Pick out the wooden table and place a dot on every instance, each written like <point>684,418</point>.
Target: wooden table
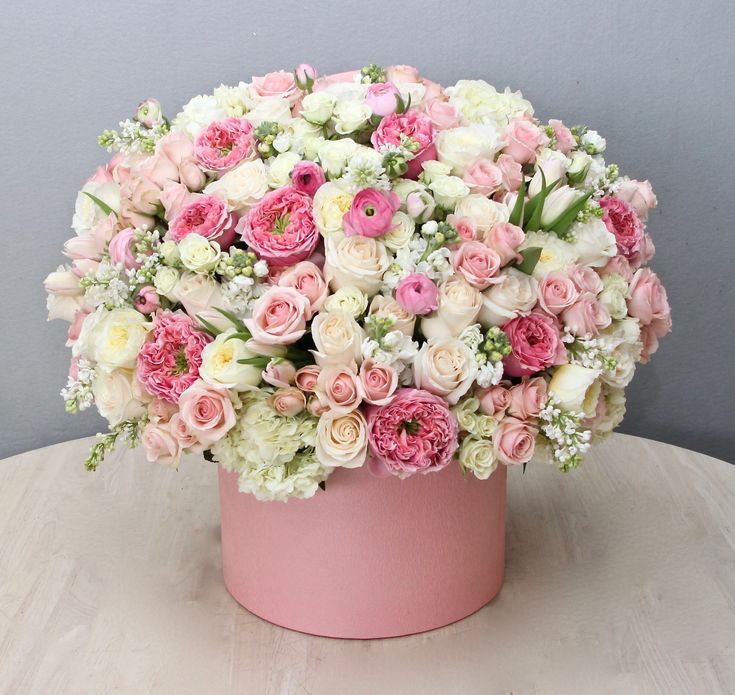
<point>620,579</point>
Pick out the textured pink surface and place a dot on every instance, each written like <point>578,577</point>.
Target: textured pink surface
<point>369,557</point>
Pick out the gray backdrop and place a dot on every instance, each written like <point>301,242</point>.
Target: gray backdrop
<point>654,78</point>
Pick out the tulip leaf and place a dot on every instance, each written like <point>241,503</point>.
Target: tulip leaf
<point>239,336</point>
<point>261,362</point>
<point>537,204</point>
<point>101,204</point>
<point>560,226</point>
<point>209,327</point>
<point>516,215</point>
<point>531,257</point>
<point>233,320</point>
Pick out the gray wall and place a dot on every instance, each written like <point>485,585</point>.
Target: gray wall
<point>655,78</point>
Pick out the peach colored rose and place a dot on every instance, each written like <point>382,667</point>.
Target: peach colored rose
<point>556,293</point>
<point>306,377</point>
<point>494,400</point>
<point>523,140</point>
<point>483,176</point>
<point>287,401</point>
<point>505,238</point>
<point>338,387</point>
<point>279,316</point>
<point>514,441</point>
<point>207,411</point>
<point>586,316</point>
<point>477,263</point>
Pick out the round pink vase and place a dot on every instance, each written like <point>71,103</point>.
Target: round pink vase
<point>368,557</point>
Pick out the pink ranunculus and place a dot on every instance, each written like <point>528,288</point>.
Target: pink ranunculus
<point>279,316</point>
<point>279,373</point>
<point>207,411</point>
<point>514,441</point>
<point>371,213</point>
<point>512,172</point>
<point>309,281</point>
<point>557,293</point>
<point>277,84</point>
<point>523,140</point>
<point>306,377</point>
<point>586,317</point>
<point>442,114</point>
<point>379,382</point>
<point>648,302</point>
<point>287,401</point>
<point>414,433</point>
<point>477,263</point>
<point>639,195</point>
<point>417,294</point>
<point>483,176</point>
<point>382,98</point>
<point>565,141</point>
<point>338,387</point>
<point>494,401</point>
<point>169,361</point>
<point>147,300</point>
<point>620,219</point>
<point>414,125</point>
<point>307,177</point>
<point>280,228</point>
<point>505,239</point>
<point>121,249</point>
<point>535,343</point>
<point>207,216</point>
<point>618,265</point>
<point>160,445</point>
<point>222,145</point>
<point>528,398</point>
<point>585,279</point>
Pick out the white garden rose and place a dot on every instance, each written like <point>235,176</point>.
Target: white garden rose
<point>348,299</point>
<point>334,155</point>
<point>576,388</point>
<point>280,168</point>
<point>350,116</point>
<point>482,212</point>
<point>480,102</point>
<point>516,295</point>
<point>445,367</point>
<point>116,337</point>
<point>220,366</point>
<point>614,295</point>
<point>165,281</point>
<point>197,114</point>
<point>555,253</point>
<point>337,338</point>
<point>199,254</point>
<point>402,229</point>
<point>331,202</point>
<point>625,362</point>
<point>87,213</point>
<point>118,395</point>
<point>198,293</point>
<point>318,107</point>
<point>243,186</point>
<point>448,190</point>
<point>355,261</point>
<point>458,147</point>
<point>271,109</point>
<point>342,440</point>
<point>459,306</point>
<point>594,244</point>
<point>478,455</point>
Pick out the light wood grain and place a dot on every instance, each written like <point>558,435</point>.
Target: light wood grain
<point>620,579</point>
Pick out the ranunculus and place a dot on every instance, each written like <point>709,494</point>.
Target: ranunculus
<point>535,343</point>
<point>586,317</point>
<point>417,294</point>
<point>279,316</point>
<point>576,388</point>
<point>483,176</point>
<point>384,307</point>
<point>207,216</point>
<point>556,293</point>
<point>523,140</point>
<point>515,296</point>
<point>639,195</point>
<point>147,300</point>
<point>477,263</point>
<point>117,395</point>
<point>338,387</point>
<point>243,186</point>
<point>459,306</point>
<point>505,239</point>
<point>382,98</point>
<point>280,228</point>
<point>648,302</point>
<point>305,378</point>
<point>276,84</point>
<point>514,441</point>
<point>494,401</point>
<point>309,281</point>
<point>287,401</point>
<point>221,367</point>
<point>371,213</point>
<point>621,220</point>
<point>445,367</point>
<point>337,338</point>
<point>357,261</point>
<point>414,125</point>
<point>307,177</point>
<point>379,382</point>
<point>527,398</point>
<point>414,433</point>
<point>224,144</point>
<point>342,439</point>
<point>160,445</point>
<point>121,249</point>
<point>207,411</point>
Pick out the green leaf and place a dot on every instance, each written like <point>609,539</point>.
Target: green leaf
<point>516,216</point>
<point>255,361</point>
<point>537,203</point>
<point>101,204</point>
<point>239,336</point>
<point>560,226</point>
<point>208,456</point>
<point>233,320</point>
<point>531,257</point>
<point>209,327</point>
<point>524,467</point>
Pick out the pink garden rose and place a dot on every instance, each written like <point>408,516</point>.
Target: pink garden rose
<point>379,382</point>
<point>207,216</point>
<point>417,294</point>
<point>412,124</point>
<point>280,228</point>
<point>505,239</point>
<point>222,145</point>
<point>557,293</point>
<point>338,388</point>
<point>207,411</point>
<point>586,317</point>
<point>523,140</point>
<point>306,377</point>
<point>414,433</point>
<point>175,198</point>
<point>371,213</point>
<point>648,302</point>
<point>527,398</point>
<point>279,316</point>
<point>309,281</point>
<point>514,441</point>
<point>483,176</point>
<point>621,220</point>
<point>307,177</point>
<point>477,263</point>
<point>565,141</point>
<point>277,84</point>
<point>535,342</point>
<point>494,400</point>
<point>382,98</point>
<point>640,196</point>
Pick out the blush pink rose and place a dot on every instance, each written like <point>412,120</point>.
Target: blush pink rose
<point>160,410</point>
<point>586,317</point>
<point>412,124</point>
<point>477,263</point>
<point>279,373</point>
<point>585,279</point>
<point>483,176</point>
<point>207,216</point>
<point>309,281</point>
<point>535,344</point>
<point>379,382</point>
<point>147,300</point>
<point>121,249</point>
<point>280,228</point>
<point>222,145</point>
<point>417,294</point>
<point>178,149</point>
<point>207,411</point>
<point>338,388</point>
<point>442,114</point>
<point>288,401</point>
<point>183,435</point>
<point>620,219</point>
<point>277,84</point>
<point>645,252</point>
<point>514,441</point>
<point>640,196</point>
<point>523,140</point>
<point>528,398</point>
<point>565,141</point>
<point>371,213</point>
<point>306,377</point>
<point>307,177</point>
<point>382,98</point>
<point>617,265</point>
<point>512,172</point>
<point>505,239</point>
<point>140,199</point>
<point>160,445</point>
<point>557,293</point>
<point>494,400</point>
<point>279,317</point>
<point>648,302</point>
<point>464,226</point>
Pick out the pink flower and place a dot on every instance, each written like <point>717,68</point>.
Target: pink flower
<point>307,177</point>
<point>648,302</point>
<point>512,172</point>
<point>207,216</point>
<point>505,239</point>
<point>382,98</point>
<point>650,343</point>
<point>442,114</point>
<point>417,294</point>
<point>524,139</point>
<point>464,226</point>
<point>411,124</point>
<point>280,228</point>
<point>514,441</point>
<point>414,433</point>
<point>306,377</point>
<point>287,401</point>
<point>371,213</point>
<point>304,75</point>
<point>483,176</point>
<point>160,410</point>
<point>168,363</point>
<point>75,327</point>
<point>309,281</point>
<point>277,84</point>
<point>121,249</point>
<point>338,388</point>
<point>279,316</point>
<point>160,445</point>
<point>494,401</point>
<point>645,253</point>
<point>565,141</point>
<point>379,382</point>
<point>535,342</point>
<point>207,411</point>
<point>403,73</point>
<point>585,279</point>
<point>639,195</point>
<point>224,144</point>
<point>617,265</point>
<point>621,220</point>
<point>586,317</point>
<point>178,149</point>
<point>527,398</point>
<point>279,373</point>
<point>175,198</point>
<point>183,435</point>
<point>556,293</point>
<point>147,300</point>
<point>477,263</point>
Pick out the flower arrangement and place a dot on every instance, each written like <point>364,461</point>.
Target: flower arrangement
<point>308,272</point>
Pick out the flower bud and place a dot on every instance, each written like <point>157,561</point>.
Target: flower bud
<point>304,75</point>
<point>149,113</point>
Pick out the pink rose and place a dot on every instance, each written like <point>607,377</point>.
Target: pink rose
<point>645,252</point>
<point>222,145</point>
<point>279,316</point>
<point>586,317</point>
<point>179,150</point>
<point>288,401</point>
<point>417,294</point>
<point>207,216</point>
<point>379,382</point>
<point>279,373</point>
<point>464,226</point>
<point>277,84</point>
<point>280,228</point>
<point>306,377</point>
<point>147,300</point>
<point>402,73</point>
<point>371,213</point>
<point>338,388</point>
<point>505,239</point>
<point>648,302</point>
<point>477,263</point>
<point>307,177</point>
<point>483,176</point>
<point>512,172</point>
<point>309,281</point>
<point>494,401</point>
<point>556,293</point>
<point>207,411</point>
<point>650,343</point>
<point>160,410</point>
<point>524,139</point>
<point>121,249</point>
<point>414,433</point>
<point>160,445</point>
<point>617,265</point>
<point>315,407</point>
<point>535,342</point>
<point>585,279</point>
<point>140,198</point>
<point>442,114</point>
<point>639,195</point>
<point>527,398</point>
<point>514,441</point>
<point>183,435</point>
<point>411,124</point>
<point>304,76</point>
<point>565,141</point>
<point>75,327</point>
<point>621,220</point>
<point>382,98</point>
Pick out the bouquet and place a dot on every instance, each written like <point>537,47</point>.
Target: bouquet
<point>308,272</point>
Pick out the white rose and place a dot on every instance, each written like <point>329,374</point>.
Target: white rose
<point>482,212</point>
<point>305,137</point>
<point>355,261</point>
<point>479,102</point>
<point>349,299</point>
<point>613,296</point>
<point>199,254</point>
<point>331,202</point>
<point>350,116</point>
<point>118,395</point>
<point>198,113</point>
<point>448,190</point>
<point>445,367</point>
<point>402,229</point>
<point>169,253</point>
<point>622,375</point>
<point>280,168</point>
<point>165,281</point>
<point>271,109</point>
<point>555,253</point>
<point>459,306</point>
<point>198,293</point>
<point>404,187</point>
<point>594,243</point>
<point>384,307</point>
<point>558,202</point>
<point>478,456</point>
<point>220,365</point>
<point>337,337</point>
<point>553,164</point>
<point>433,168</point>
<point>334,155</point>
<point>86,212</point>
<point>318,107</point>
<point>347,91</point>
<point>457,147</point>
<point>243,186</point>
<point>576,388</point>
<point>614,412</point>
<point>411,92</point>
<point>341,440</point>
<point>515,295</point>
<point>625,332</point>
<point>116,338</point>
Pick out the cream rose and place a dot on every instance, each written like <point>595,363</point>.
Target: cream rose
<point>478,455</point>
<point>480,102</point>
<point>482,212</point>
<point>355,261</point>
<point>614,295</point>
<point>458,147</point>
<point>220,366</point>
<point>341,440</point>
<point>403,320</point>
<point>279,171</point>
<point>318,107</point>
<point>350,116</point>
<point>198,293</point>
<point>576,388</point>
<point>273,109</point>
<point>337,338</point>
<point>402,229</point>
<point>331,202</point>
<point>242,187</point>
<point>334,155</point>
<point>165,281</point>
<point>349,299</point>
<point>445,367</point>
<point>199,254</point>
<point>116,338</point>
<point>118,395</point>
<point>459,306</point>
<point>514,296</point>
<point>448,190</point>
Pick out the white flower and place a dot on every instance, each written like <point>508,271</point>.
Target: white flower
<point>165,281</point>
<point>355,261</point>
<point>478,455</point>
<point>198,113</point>
<point>350,116</point>
<point>433,168</point>
<point>87,213</point>
<point>280,168</point>
<point>199,254</point>
<point>459,306</point>
<point>458,147</point>
<point>553,164</point>
<point>614,294</point>
<point>341,440</point>
<point>593,142</point>
<point>482,212</point>
<point>516,295</point>
<point>271,109</point>
<point>233,100</point>
<point>118,395</point>
<point>445,367</point>
<point>305,137</point>
<point>169,253</point>
<point>558,202</point>
<point>365,170</point>
<point>337,338</point>
<point>576,388</point>
<point>448,190</point>
<point>349,299</point>
<point>220,364</point>
<point>614,412</point>
<point>334,155</point>
<point>330,204</point>
<point>114,338</point>
<point>479,102</point>
<point>594,244</point>
<point>243,186</point>
<point>318,107</point>
<point>402,229</point>
<point>555,253</point>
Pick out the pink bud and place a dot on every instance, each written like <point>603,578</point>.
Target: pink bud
<point>305,75</point>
